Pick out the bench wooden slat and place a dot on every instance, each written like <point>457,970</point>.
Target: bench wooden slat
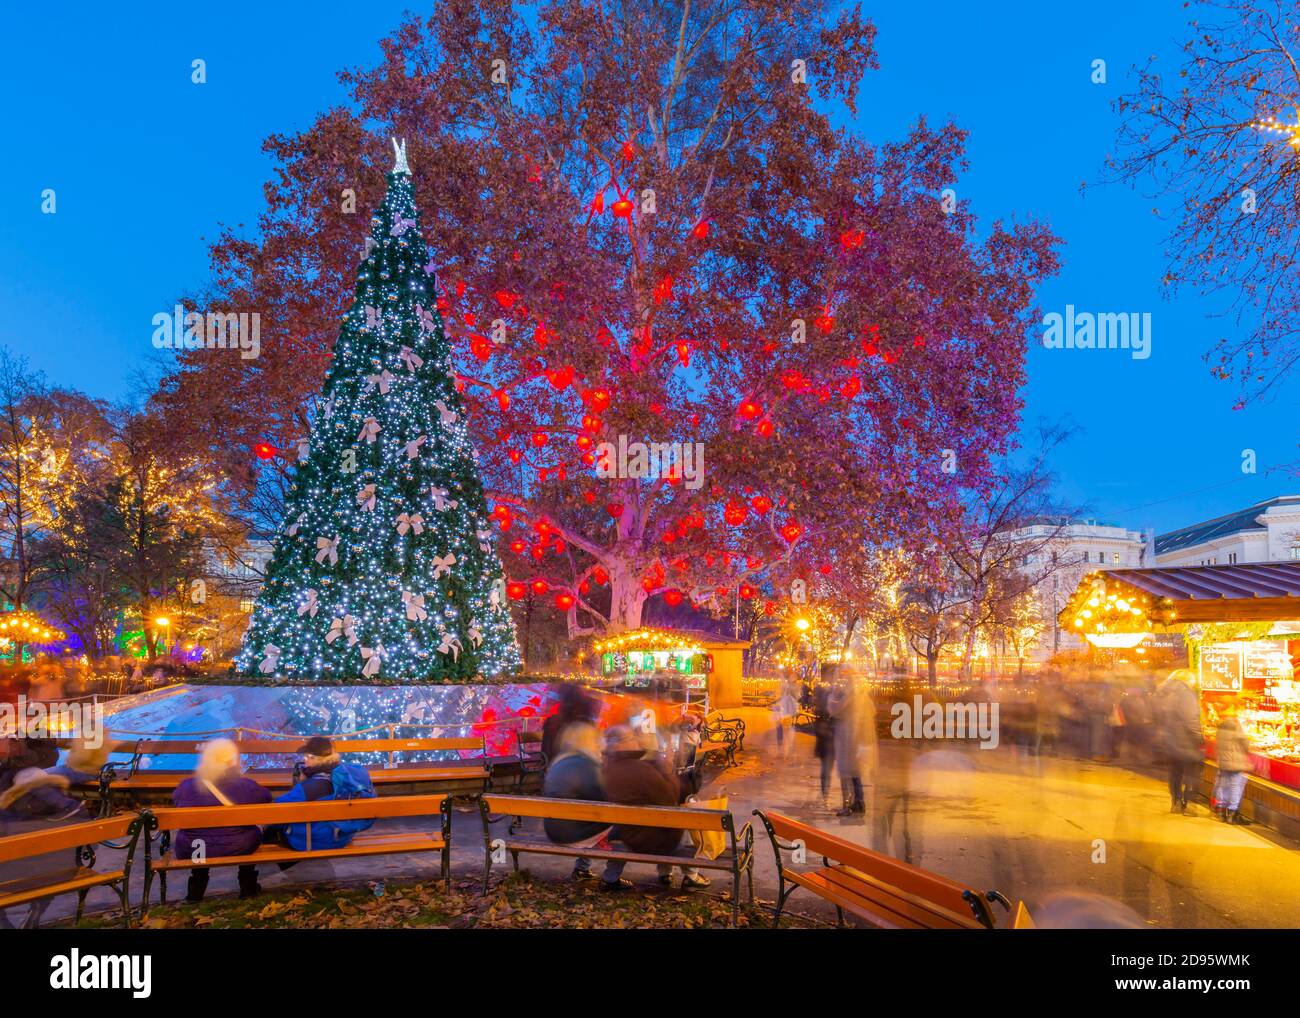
<point>196,817</point>
<point>891,902</point>
<point>69,836</point>
<point>723,862</point>
<point>20,892</point>
<point>362,845</point>
<point>913,880</point>
<point>815,881</point>
<point>688,819</point>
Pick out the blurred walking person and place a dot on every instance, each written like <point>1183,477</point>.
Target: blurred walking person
<point>853,719</point>
<point>823,737</point>
<point>1179,714</point>
<point>784,706</point>
<point>573,703</point>
<point>1232,751</point>
<point>575,773</point>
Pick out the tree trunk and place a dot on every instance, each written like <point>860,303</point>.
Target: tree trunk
<point>932,665</point>
<point>627,598</point>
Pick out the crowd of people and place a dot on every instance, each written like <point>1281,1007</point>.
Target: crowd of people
<point>624,765</point>
<point>1140,720</point>
<point>34,795</point>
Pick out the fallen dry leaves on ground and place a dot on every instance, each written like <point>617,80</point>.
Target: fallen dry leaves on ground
<point>517,902</point>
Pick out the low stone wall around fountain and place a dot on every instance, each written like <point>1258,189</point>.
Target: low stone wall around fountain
<point>200,711</point>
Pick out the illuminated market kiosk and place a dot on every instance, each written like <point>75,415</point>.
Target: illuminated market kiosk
<point>705,666</point>
<point>1241,625</point>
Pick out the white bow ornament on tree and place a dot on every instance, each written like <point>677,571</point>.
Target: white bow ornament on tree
<point>373,658</point>
<point>410,521</point>
<point>327,548</point>
<point>443,565</point>
<point>272,660</point>
<point>293,527</point>
<point>344,626</point>
<point>369,430</point>
<point>303,448</point>
<point>414,606</point>
<point>366,498</point>
<point>412,448</point>
<point>411,359</point>
<point>475,637</point>
<point>310,606</point>
<point>384,379</point>
<point>441,501</point>
<point>450,643</point>
<point>445,413</point>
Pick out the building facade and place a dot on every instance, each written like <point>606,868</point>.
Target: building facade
<point>1267,531</point>
<point>1060,554</point>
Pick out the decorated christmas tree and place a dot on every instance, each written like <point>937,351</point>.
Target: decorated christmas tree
<point>385,566</point>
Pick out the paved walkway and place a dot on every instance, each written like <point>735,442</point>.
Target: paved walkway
<point>993,819</point>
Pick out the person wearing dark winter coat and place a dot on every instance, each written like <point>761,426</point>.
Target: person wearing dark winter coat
<point>633,778</point>
<point>574,773</point>
<point>824,736</point>
<point>218,782</point>
<point>1232,751</point>
<point>1179,713</point>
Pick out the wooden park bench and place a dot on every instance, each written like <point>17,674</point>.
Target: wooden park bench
<point>367,843</point>
<point>879,889</point>
<point>721,734</point>
<point>394,776</point>
<point>531,758</point>
<point>737,860</point>
<point>80,875</point>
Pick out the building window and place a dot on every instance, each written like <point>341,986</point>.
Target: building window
<point>246,605</point>
<point>1295,551</point>
<point>1116,558</point>
<point>1232,558</point>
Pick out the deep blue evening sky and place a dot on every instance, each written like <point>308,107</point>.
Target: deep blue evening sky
<point>145,164</point>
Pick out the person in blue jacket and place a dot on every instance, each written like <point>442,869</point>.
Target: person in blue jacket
<point>325,777</point>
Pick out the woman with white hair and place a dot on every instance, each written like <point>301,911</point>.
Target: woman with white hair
<point>217,781</point>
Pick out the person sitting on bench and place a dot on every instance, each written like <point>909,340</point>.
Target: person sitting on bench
<point>32,800</point>
<point>636,777</point>
<point>325,776</point>
<point>217,781</point>
<point>574,773</point>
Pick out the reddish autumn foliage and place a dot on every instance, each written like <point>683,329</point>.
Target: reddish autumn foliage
<point>670,318</point>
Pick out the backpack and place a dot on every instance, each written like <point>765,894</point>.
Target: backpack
<point>351,781</point>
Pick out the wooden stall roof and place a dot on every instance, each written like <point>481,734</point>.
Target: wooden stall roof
<point>1255,592</point>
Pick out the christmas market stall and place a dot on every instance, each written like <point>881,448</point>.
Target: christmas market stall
<point>701,667</point>
<point>1241,626</point>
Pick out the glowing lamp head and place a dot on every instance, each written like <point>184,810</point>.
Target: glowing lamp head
<point>264,451</point>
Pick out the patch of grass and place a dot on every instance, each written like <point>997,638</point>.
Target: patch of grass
<point>517,902</point>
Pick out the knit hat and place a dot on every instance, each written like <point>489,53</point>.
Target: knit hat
<point>317,745</point>
<point>621,739</point>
